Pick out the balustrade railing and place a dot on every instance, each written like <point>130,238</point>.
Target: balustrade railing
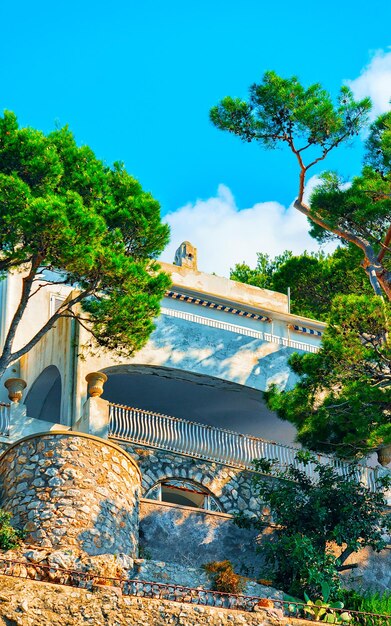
<point>5,410</point>
<point>215,444</point>
<point>287,342</point>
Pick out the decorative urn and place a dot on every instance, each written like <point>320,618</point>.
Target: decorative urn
<point>384,455</point>
<point>15,387</point>
<point>95,381</point>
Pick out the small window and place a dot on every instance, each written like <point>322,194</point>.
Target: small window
<point>55,303</point>
<point>184,493</point>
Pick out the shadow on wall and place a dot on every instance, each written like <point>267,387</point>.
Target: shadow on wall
<point>113,531</point>
<point>235,357</point>
<point>193,538</point>
<point>196,397</point>
<point>43,400</point>
<point>373,571</point>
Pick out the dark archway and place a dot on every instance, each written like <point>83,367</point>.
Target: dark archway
<point>197,398</point>
<point>43,400</point>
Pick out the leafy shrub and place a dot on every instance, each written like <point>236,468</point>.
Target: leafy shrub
<point>373,602</point>
<point>311,513</point>
<point>10,537</point>
<point>224,577</point>
<point>324,611</point>
<point>298,565</point>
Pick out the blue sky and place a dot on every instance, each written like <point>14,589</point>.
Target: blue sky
<point>135,81</point>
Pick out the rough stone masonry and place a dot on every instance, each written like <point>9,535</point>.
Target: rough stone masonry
<point>29,603</point>
<point>72,490</point>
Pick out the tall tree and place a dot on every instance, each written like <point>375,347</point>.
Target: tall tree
<point>62,210</point>
<point>342,403</point>
<point>281,111</point>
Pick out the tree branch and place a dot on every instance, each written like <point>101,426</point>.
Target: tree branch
<point>371,263</point>
<point>26,289</point>
<point>7,263</point>
<point>384,245</point>
<point>46,327</point>
<point>342,568</point>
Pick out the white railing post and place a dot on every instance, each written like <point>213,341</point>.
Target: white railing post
<point>95,418</point>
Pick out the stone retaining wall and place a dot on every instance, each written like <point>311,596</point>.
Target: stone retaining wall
<point>195,577</point>
<point>193,537</point>
<point>68,489</point>
<point>28,603</point>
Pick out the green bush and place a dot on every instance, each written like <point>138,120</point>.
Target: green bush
<point>10,537</point>
<point>298,566</point>
<point>310,514</point>
<point>371,602</point>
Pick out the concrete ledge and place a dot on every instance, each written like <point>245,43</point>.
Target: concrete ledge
<point>192,509</point>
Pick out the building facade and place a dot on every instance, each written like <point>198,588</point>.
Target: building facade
<point>187,409</point>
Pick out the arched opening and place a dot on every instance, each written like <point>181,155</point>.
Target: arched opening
<point>43,400</point>
<point>196,397</point>
<point>184,493</point>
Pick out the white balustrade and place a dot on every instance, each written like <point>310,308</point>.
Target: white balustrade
<point>241,330</point>
<point>4,419</point>
<point>215,444</point>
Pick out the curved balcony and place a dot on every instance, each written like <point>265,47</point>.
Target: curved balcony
<point>216,444</point>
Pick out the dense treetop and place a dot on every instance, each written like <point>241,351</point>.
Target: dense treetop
<point>63,210</point>
<point>314,279</point>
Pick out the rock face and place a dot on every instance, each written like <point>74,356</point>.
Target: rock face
<point>28,603</point>
<point>72,490</point>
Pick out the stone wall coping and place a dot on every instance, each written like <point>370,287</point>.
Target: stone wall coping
<point>194,457</point>
<point>73,433</point>
<point>193,509</point>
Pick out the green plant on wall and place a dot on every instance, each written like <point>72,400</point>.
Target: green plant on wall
<point>322,610</point>
<point>10,537</point>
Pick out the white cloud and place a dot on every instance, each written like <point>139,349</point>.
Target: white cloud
<point>225,235</point>
<point>375,82</point>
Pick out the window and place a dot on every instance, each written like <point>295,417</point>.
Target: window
<point>184,493</point>
<point>55,302</point>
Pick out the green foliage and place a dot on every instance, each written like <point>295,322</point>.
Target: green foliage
<point>310,514</point>
<point>342,401</point>
<point>371,602</point>
<point>10,537</point>
<point>263,273</point>
<point>224,577</point>
<point>323,611</point>
<point>279,108</point>
<point>364,206</point>
<point>63,210</point>
<point>315,279</point>
<point>298,564</point>
<point>281,111</point>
